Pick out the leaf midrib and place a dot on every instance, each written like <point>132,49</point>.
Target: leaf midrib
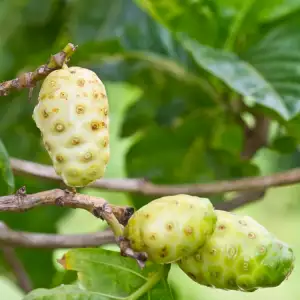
<point>117,267</point>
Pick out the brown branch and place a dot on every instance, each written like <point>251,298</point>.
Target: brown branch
<point>10,237</point>
<point>257,137</point>
<point>21,202</point>
<point>29,79</point>
<point>12,259</point>
<point>240,200</point>
<point>147,188</point>
<point>18,269</point>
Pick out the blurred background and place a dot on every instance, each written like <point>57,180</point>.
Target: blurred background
<point>178,109</point>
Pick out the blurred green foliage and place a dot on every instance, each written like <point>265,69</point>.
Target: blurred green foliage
<point>192,70</point>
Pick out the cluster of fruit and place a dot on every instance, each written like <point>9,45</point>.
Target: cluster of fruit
<point>214,248</point>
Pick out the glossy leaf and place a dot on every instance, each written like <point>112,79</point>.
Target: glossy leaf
<point>242,77</point>
<point>109,273</point>
<point>276,58</point>
<point>7,182</point>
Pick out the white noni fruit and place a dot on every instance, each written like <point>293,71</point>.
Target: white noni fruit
<point>240,255</point>
<point>72,115</point>
<point>171,227</point>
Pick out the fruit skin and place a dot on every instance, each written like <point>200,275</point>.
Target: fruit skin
<point>171,227</point>
<point>72,115</point>
<point>240,255</point>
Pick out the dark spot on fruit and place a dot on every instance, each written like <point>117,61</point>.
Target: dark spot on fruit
<point>87,156</point>
<point>105,141</point>
<point>251,235</point>
<point>198,257</point>
<point>262,249</point>
<point>221,227</point>
<point>164,252</point>
<point>80,109</point>
<point>75,141</point>
<point>59,158</point>
<point>231,252</point>
<point>213,252</point>
<point>231,282</point>
<point>59,127</point>
<point>169,226</point>
<point>147,216</point>
<point>63,95</point>
<point>81,82</point>
<point>52,83</point>
<point>95,125</point>
<point>176,202</point>
<point>95,95</point>
<point>45,114</point>
<point>55,110</point>
<point>242,222</point>
<point>153,236</point>
<point>215,274</point>
<point>188,230</point>
<point>191,206</point>
<point>105,111</point>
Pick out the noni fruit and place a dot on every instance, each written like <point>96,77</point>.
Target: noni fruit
<point>72,115</point>
<point>171,227</point>
<point>240,255</point>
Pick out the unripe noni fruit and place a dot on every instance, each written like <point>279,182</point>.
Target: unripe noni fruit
<point>171,227</point>
<point>72,115</point>
<point>240,255</point>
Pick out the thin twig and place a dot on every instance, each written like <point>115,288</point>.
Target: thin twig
<point>146,188</point>
<point>240,200</point>
<point>18,269</point>
<point>10,237</point>
<point>12,259</point>
<point>29,79</point>
<point>21,202</point>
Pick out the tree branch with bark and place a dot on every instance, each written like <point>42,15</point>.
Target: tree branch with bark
<point>141,186</point>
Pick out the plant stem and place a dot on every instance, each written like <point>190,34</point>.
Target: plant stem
<point>236,25</point>
<point>162,273</point>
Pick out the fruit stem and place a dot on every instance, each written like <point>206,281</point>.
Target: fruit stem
<point>156,277</point>
<point>107,214</point>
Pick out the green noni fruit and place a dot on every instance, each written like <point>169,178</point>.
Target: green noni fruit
<point>171,227</point>
<point>240,255</point>
<point>72,115</point>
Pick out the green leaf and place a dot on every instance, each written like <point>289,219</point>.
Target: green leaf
<point>109,273</point>
<point>228,137</point>
<point>241,76</point>
<point>263,11</point>
<point>65,292</point>
<point>284,144</point>
<point>198,148</point>
<point>276,58</point>
<point>196,18</point>
<point>5,170</point>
